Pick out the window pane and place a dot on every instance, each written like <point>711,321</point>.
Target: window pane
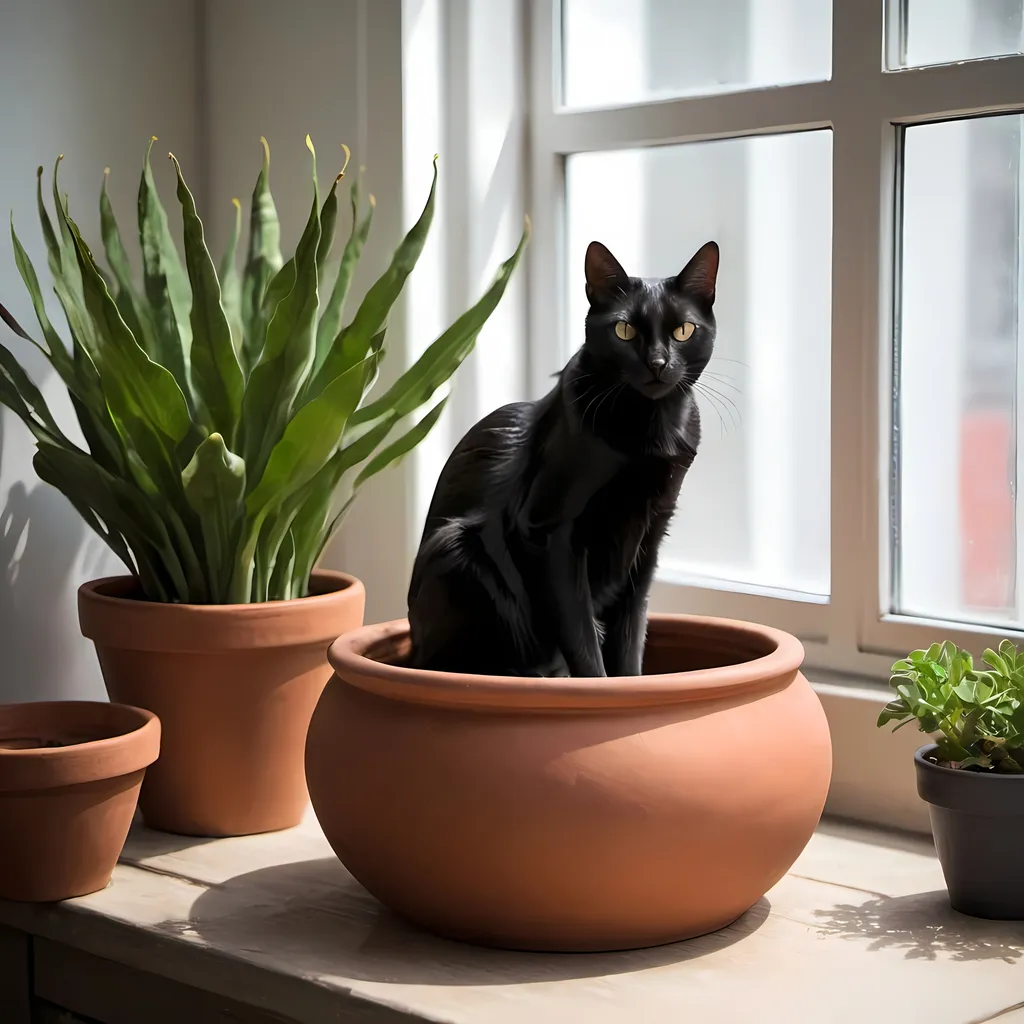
<point>616,52</point>
<point>956,446</point>
<point>945,31</point>
<point>755,507</point>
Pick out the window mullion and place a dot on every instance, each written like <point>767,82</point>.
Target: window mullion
<point>545,199</point>
<point>861,201</point>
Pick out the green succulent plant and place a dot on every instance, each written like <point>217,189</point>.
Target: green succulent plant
<point>225,414</point>
<point>978,713</point>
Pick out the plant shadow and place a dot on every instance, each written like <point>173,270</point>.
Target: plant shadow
<point>925,927</point>
<point>314,916</point>
<point>42,542</point>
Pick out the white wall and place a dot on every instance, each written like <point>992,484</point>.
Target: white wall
<point>93,81</point>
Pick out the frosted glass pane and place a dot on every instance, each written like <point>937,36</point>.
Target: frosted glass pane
<point>616,52</point>
<point>946,31</point>
<point>955,532</point>
<point>755,507</point>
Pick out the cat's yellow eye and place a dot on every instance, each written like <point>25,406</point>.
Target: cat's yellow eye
<point>683,333</point>
<point>627,332</point>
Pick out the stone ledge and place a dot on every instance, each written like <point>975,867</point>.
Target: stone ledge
<point>274,922</point>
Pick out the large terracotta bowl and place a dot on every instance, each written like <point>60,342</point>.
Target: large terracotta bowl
<point>572,814</point>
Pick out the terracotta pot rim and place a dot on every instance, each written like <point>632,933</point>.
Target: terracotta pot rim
<point>135,746</point>
<point>111,619</point>
<point>781,660</point>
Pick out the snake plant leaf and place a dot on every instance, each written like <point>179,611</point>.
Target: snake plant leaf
<point>231,283</point>
<point>216,376</point>
<point>24,399</point>
<point>314,505</point>
<point>79,377</point>
<point>146,389</point>
<point>282,581</point>
<point>284,280</point>
<point>352,343</point>
<point>18,392</point>
<point>329,216</point>
<point>440,360</point>
<point>330,320</point>
<point>263,260</point>
<point>122,507</point>
<point>113,537</point>
<point>166,283</point>
<point>287,354</point>
<point>146,406</point>
<point>309,440</point>
<point>54,349</point>
<point>53,252</point>
<point>66,252</point>
<point>398,449</point>
<point>274,533</point>
<point>389,456</point>
<point>134,312</point>
<point>214,483</point>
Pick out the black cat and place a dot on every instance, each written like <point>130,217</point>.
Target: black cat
<point>542,537</point>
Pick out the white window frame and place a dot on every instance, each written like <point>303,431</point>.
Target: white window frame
<point>867,108</point>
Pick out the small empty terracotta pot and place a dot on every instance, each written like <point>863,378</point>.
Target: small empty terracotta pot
<point>70,773</point>
<point>572,814</point>
<point>234,686</point>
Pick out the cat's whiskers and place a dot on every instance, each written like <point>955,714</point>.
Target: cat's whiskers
<point>583,394</point>
<point>616,390</point>
<point>715,400</point>
<point>719,402</point>
<point>601,395</point>
<point>727,399</point>
<point>724,381</point>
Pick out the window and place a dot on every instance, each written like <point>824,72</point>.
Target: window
<point>861,166</point>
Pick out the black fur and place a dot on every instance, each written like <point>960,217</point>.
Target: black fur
<point>542,537</point>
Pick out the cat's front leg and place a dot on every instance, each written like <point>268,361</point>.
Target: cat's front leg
<point>625,635</point>
<point>571,473</point>
<point>572,600</point>
<point>626,620</point>
<point>564,596</point>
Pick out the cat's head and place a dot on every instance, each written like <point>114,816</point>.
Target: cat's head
<point>657,334</point>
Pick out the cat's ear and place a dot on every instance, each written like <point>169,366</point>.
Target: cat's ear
<point>698,277</point>
<point>605,276</point>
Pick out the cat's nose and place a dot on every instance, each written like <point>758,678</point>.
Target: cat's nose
<point>657,365</point>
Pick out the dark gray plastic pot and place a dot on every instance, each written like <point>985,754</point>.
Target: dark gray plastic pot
<point>978,826</point>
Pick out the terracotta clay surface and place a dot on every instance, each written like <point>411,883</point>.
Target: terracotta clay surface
<point>234,687</point>
<point>572,814</point>
<point>70,773</point>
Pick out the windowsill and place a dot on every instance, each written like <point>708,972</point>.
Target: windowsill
<point>274,923</point>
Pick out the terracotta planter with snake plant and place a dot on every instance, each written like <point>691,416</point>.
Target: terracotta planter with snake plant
<point>234,687</point>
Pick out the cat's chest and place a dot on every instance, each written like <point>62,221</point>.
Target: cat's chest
<point>619,517</point>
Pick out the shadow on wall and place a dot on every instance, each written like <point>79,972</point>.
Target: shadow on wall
<point>41,544</point>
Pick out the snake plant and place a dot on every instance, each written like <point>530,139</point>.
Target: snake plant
<point>226,414</point>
